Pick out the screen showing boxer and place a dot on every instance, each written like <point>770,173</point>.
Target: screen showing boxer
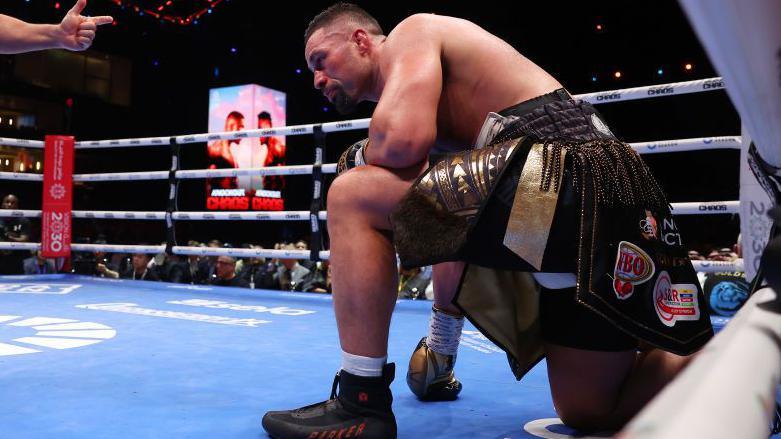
<point>241,108</point>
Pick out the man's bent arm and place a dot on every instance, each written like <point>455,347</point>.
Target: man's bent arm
<point>404,125</point>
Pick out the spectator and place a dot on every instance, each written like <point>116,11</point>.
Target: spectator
<point>37,264</point>
<point>309,265</point>
<point>171,268</point>
<point>226,273</point>
<point>193,262</point>
<point>12,229</point>
<point>207,266</point>
<point>257,272</point>
<point>321,283</point>
<point>292,276</point>
<point>139,269</point>
<point>715,255</point>
<point>103,265</point>
<point>727,254</point>
<point>694,255</point>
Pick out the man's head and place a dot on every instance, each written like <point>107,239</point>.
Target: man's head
<point>234,122</point>
<point>264,120</point>
<point>226,267</point>
<point>288,263</point>
<point>10,201</point>
<point>339,46</point>
<point>140,261</point>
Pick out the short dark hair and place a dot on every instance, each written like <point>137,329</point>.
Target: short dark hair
<point>264,115</point>
<point>342,9</point>
<point>235,115</point>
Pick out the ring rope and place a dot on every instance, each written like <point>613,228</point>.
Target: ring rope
<point>691,208</point>
<point>700,266</point>
<point>625,94</point>
<point>653,147</point>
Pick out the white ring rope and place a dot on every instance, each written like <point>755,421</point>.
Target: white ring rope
<point>328,168</point>
<point>653,147</point>
<point>247,252</point>
<point>701,266</point>
<point>694,144</point>
<point>300,215</point>
<point>7,141</point>
<point>123,176</point>
<point>693,208</point>
<point>20,176</point>
<point>653,91</point>
<point>291,215</point>
<point>292,130</point>
<point>129,215</point>
<point>718,266</point>
<point>625,94</point>
<point>706,208</point>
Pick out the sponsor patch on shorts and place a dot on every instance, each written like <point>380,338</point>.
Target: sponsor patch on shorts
<point>633,267</point>
<point>675,302</point>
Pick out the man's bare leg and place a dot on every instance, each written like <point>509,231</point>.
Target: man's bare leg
<point>363,264</point>
<point>597,391</point>
<point>446,277</point>
<point>363,260</point>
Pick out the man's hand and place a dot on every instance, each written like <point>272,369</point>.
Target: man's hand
<point>352,157</point>
<point>76,31</point>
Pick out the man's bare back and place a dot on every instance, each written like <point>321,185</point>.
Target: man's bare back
<point>481,73</point>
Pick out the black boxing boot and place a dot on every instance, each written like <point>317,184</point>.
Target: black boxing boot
<point>430,374</point>
<point>362,409</point>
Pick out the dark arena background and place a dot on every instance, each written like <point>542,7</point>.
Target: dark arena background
<point>149,74</point>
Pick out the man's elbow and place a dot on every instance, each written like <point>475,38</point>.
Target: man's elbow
<point>404,151</point>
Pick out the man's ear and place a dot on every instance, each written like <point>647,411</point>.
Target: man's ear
<point>361,38</point>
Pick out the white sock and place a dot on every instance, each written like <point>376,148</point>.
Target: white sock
<point>363,366</point>
<point>444,332</point>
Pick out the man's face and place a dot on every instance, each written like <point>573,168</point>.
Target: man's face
<point>288,263</point>
<point>332,57</point>
<point>234,124</point>
<point>263,124</point>
<point>226,267</point>
<point>139,262</point>
<point>10,202</point>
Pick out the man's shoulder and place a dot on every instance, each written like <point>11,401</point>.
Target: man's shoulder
<point>425,21</point>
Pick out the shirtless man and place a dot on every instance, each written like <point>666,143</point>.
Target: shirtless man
<point>435,79</point>
<point>75,32</point>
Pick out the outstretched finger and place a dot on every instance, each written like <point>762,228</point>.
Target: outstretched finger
<point>101,20</point>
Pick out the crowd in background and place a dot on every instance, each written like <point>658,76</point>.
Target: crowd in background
<point>725,291</point>
<point>250,272</point>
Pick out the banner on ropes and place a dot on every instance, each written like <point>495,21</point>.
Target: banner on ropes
<point>57,197</point>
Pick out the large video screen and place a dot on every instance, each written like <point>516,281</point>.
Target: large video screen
<point>237,108</point>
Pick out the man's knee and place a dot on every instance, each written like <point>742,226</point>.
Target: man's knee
<point>367,191</point>
<point>585,416</point>
<point>348,191</point>
<point>584,419</point>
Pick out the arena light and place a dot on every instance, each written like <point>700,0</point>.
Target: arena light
<point>178,12</point>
